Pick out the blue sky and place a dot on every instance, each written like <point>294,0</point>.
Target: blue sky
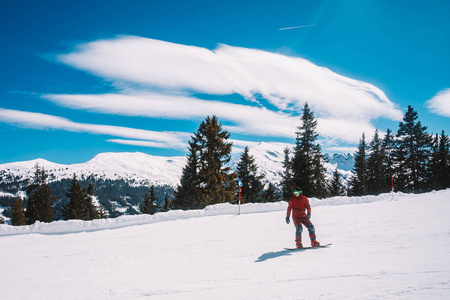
<point>83,77</point>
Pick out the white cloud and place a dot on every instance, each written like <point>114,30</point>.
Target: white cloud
<point>247,119</point>
<point>344,130</point>
<point>287,82</point>
<point>33,120</point>
<point>140,143</point>
<point>440,104</point>
<point>343,106</point>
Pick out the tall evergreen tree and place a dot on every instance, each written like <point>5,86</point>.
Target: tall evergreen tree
<point>358,182</point>
<point>217,180</point>
<point>413,153</point>
<point>81,202</point>
<point>247,171</point>
<point>307,165</point>
<point>319,181</point>
<point>166,203</point>
<point>188,192</point>
<point>440,162</point>
<point>375,167</point>
<point>149,203</point>
<point>287,183</point>
<point>271,194</point>
<point>91,211</point>
<point>75,209</point>
<point>388,145</point>
<point>337,187</point>
<point>18,213</point>
<point>40,198</point>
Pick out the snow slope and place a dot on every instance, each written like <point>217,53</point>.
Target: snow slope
<point>383,248</point>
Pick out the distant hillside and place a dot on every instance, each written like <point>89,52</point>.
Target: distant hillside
<point>121,179</point>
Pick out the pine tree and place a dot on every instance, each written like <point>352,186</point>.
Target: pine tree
<point>337,187</point>
<point>217,180</point>
<point>75,209</point>
<point>287,183</point>
<point>40,198</point>
<point>166,203</point>
<point>440,162</point>
<point>90,210</point>
<point>146,204</point>
<point>388,145</point>
<point>319,182</point>
<point>358,183</point>
<point>375,167</point>
<point>247,171</point>
<point>101,212</point>
<point>271,194</point>
<point>188,193</point>
<point>307,165</point>
<point>18,213</point>
<point>149,203</point>
<point>413,153</point>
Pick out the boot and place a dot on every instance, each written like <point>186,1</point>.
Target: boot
<point>299,244</point>
<point>315,244</point>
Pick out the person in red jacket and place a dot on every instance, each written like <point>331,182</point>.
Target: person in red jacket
<point>298,204</point>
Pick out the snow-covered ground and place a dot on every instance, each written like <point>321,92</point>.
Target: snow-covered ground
<point>382,248</point>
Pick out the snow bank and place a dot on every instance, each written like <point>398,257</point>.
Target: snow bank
<point>74,226</point>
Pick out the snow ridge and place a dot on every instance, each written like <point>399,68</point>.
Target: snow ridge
<point>136,168</point>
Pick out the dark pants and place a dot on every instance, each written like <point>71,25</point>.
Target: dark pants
<point>299,229</point>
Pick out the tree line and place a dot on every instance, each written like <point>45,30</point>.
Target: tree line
<point>81,205</point>
<point>412,160</point>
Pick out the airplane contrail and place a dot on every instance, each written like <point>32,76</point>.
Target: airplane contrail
<point>295,27</point>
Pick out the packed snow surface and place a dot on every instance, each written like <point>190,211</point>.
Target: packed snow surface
<point>384,247</point>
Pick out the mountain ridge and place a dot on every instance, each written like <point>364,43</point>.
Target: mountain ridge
<point>146,169</point>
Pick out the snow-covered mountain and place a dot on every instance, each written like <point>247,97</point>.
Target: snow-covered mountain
<point>135,168</point>
<point>343,162</point>
<point>122,178</point>
<point>270,156</point>
<point>141,169</point>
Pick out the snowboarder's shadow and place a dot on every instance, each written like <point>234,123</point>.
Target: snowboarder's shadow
<point>271,255</point>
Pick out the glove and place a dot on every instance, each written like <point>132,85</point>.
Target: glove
<point>308,215</point>
<point>288,220</point>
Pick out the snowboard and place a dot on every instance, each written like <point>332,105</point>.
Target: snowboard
<point>308,248</point>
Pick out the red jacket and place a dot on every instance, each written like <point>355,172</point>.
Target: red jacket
<point>298,205</point>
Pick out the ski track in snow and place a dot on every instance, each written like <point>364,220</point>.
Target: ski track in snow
<point>382,249</point>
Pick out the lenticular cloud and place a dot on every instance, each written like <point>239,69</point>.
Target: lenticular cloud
<point>286,82</point>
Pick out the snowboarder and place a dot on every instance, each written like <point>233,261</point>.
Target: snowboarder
<point>299,203</point>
